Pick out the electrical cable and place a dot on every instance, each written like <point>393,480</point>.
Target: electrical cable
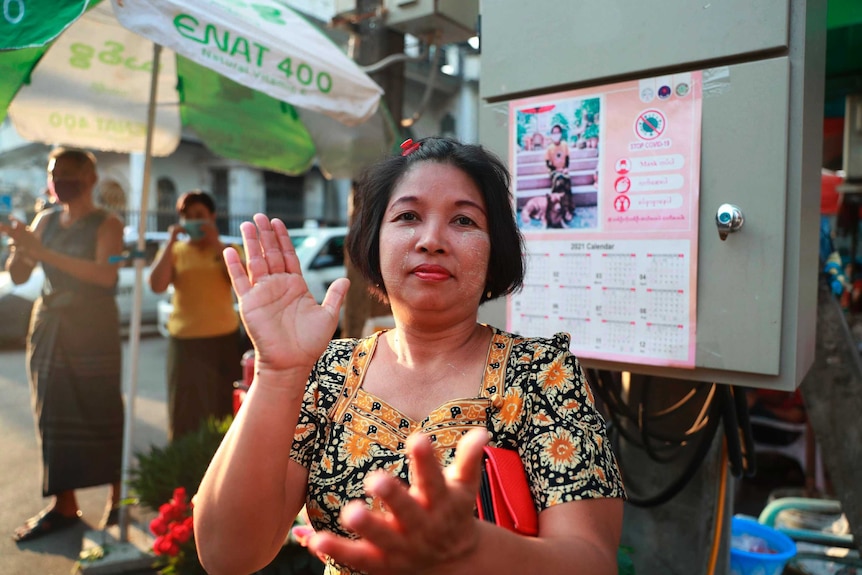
<point>616,403</point>
<point>677,405</point>
<point>688,473</point>
<point>645,419</point>
<point>661,446</point>
<point>429,88</point>
<point>615,425</point>
<point>718,528</point>
<point>731,431</point>
<point>646,441</point>
<point>393,59</point>
<point>748,451</point>
<point>700,421</point>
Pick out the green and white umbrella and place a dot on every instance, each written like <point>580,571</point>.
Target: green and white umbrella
<point>254,81</point>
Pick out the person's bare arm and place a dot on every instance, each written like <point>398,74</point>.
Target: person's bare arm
<point>20,264</point>
<point>162,270</point>
<point>252,490</point>
<point>109,242</point>
<point>580,537</point>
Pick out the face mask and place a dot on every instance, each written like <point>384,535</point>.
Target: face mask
<point>66,190</point>
<point>194,228</point>
<point>556,138</point>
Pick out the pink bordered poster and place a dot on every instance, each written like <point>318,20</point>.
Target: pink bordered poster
<point>606,185</point>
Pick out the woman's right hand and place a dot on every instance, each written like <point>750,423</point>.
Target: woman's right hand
<point>173,231</point>
<point>288,328</point>
<point>22,238</point>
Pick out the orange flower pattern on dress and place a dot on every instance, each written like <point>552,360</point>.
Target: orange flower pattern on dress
<point>513,404</point>
<point>533,398</point>
<point>357,450</point>
<point>556,377</point>
<point>560,450</point>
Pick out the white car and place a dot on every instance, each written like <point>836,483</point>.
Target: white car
<point>321,258</point>
<point>16,301</point>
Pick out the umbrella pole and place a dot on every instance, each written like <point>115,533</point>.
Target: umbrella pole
<point>135,321</point>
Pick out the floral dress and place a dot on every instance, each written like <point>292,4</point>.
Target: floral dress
<point>533,398</point>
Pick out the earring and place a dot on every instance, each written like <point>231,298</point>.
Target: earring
<point>488,294</point>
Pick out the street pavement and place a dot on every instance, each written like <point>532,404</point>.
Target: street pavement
<point>20,492</point>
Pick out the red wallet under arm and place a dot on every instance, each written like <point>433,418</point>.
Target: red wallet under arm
<point>504,496</point>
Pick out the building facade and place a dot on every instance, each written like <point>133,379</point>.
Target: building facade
<point>449,107</point>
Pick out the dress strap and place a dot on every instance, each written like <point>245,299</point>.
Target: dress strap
<point>355,372</point>
<point>494,382</point>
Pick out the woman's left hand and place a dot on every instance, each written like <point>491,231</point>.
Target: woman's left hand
<point>421,528</point>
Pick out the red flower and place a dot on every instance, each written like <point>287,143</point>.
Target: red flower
<point>174,530</point>
<point>165,545</point>
<point>170,512</point>
<point>159,526</point>
<point>180,532</point>
<point>180,495</point>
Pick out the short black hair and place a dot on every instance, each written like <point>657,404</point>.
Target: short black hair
<point>195,197</point>
<point>505,273</point>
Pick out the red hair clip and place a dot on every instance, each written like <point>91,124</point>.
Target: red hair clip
<point>408,146</point>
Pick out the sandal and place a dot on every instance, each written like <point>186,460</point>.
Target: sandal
<point>45,523</point>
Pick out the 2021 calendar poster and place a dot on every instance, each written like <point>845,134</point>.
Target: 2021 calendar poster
<point>606,185</point>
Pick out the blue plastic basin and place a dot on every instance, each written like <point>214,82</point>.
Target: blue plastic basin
<point>751,563</point>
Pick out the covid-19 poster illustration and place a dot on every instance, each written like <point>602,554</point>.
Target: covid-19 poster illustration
<point>606,186</point>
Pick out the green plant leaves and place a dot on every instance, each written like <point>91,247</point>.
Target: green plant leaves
<point>181,463</point>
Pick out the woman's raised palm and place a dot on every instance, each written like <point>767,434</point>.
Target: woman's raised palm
<point>288,328</point>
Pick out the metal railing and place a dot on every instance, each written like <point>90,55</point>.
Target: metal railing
<point>228,224</point>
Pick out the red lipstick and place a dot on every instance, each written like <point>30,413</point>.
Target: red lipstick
<point>431,272</point>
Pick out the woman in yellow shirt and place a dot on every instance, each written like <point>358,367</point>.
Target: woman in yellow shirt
<point>204,348</point>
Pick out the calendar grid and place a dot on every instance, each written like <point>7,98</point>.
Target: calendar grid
<point>630,298</point>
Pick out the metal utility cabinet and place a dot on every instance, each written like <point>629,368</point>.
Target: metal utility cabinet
<point>760,150</point>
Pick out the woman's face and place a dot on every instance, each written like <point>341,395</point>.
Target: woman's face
<point>67,181</point>
<point>196,220</point>
<point>434,241</point>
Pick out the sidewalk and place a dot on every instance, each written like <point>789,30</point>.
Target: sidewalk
<point>103,552</point>
<point>20,495</point>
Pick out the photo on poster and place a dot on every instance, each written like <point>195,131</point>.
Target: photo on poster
<point>557,164</point>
